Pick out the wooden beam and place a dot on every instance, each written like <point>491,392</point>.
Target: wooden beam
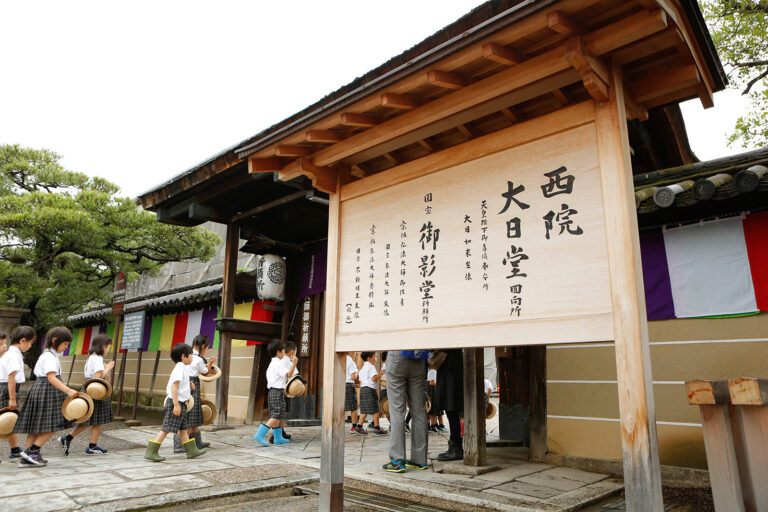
<point>748,391</point>
<point>357,172</point>
<point>231,246</point>
<point>560,97</point>
<point>593,72</point>
<point>474,408</point>
<point>256,165</point>
<point>561,23</point>
<point>323,136</point>
<point>446,79</point>
<point>465,131</point>
<point>642,477</point>
<point>635,110</point>
<point>323,178</point>
<point>426,145</point>
<point>653,44</point>
<point>664,83</point>
<point>400,101</point>
<point>392,158</point>
<point>332,435</point>
<point>247,329</point>
<point>511,114</point>
<point>707,392</point>
<point>502,54</point>
<point>359,120</point>
<point>526,73</point>
<point>293,150</point>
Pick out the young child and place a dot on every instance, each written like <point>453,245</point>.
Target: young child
<point>198,367</point>
<point>102,409</point>
<point>12,375</point>
<point>369,397</point>
<point>350,395</point>
<point>178,391</point>
<point>3,346</point>
<point>277,377</point>
<point>41,415</point>
<point>290,353</point>
<point>431,387</point>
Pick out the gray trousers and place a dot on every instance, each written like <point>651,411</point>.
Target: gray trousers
<point>406,381</point>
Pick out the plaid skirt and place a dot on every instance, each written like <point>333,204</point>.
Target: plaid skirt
<point>369,402</point>
<point>173,423</point>
<point>102,412</point>
<point>350,397</point>
<point>5,397</point>
<point>276,401</point>
<point>42,410</point>
<point>195,416</point>
<point>431,391</point>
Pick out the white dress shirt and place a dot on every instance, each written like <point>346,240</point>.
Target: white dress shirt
<point>276,374</point>
<point>47,363</point>
<point>367,373</point>
<point>180,375</point>
<point>12,361</point>
<point>95,363</point>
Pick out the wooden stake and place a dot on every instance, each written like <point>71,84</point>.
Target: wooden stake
<point>71,367</point>
<point>538,391</point>
<point>633,362</point>
<point>136,388</point>
<point>227,311</point>
<point>115,343</point>
<point>154,378</point>
<point>122,381</point>
<point>250,414</point>
<point>332,442</point>
<point>474,408</point>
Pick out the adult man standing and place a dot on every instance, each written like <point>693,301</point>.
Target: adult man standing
<point>406,383</point>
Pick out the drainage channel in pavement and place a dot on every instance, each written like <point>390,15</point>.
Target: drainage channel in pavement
<point>375,501</point>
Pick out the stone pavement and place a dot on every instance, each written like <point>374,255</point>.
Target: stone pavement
<point>236,464</point>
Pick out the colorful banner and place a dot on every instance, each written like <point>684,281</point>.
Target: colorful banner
<point>707,269</point>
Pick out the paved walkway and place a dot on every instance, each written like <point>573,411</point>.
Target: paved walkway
<point>123,480</point>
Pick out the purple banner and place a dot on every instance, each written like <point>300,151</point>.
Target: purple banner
<point>658,290</point>
<point>312,267</point>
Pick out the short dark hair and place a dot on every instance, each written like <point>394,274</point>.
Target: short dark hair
<point>22,332</point>
<point>56,336</point>
<point>367,355</point>
<point>274,347</point>
<point>384,356</point>
<point>290,345</point>
<point>3,335</point>
<point>200,341</point>
<point>99,344</point>
<point>178,350</point>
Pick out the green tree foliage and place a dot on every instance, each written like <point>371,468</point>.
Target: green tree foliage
<point>740,33</point>
<point>64,236</point>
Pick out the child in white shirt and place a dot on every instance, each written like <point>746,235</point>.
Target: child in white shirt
<point>288,355</point>
<point>369,397</point>
<point>350,394</point>
<point>198,366</point>
<point>12,376</point>
<point>178,392</point>
<point>277,377</point>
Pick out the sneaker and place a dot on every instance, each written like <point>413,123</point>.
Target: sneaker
<point>65,444</point>
<point>353,430</point>
<point>442,429</point>
<point>379,431</point>
<point>413,465</point>
<point>15,456</point>
<point>394,466</point>
<point>31,460</point>
<point>96,450</point>
<point>361,430</point>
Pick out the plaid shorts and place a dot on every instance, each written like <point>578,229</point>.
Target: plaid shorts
<point>195,416</point>
<point>42,410</point>
<point>369,401</point>
<point>276,401</point>
<point>350,397</point>
<point>173,423</point>
<point>5,397</point>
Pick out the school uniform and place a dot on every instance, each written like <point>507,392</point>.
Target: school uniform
<point>488,387</point>
<point>173,423</point>
<point>383,392</point>
<point>42,410</point>
<point>12,361</point>
<point>276,381</point>
<point>102,409</point>
<point>350,396</point>
<point>431,391</point>
<point>369,399</point>
<point>197,367</point>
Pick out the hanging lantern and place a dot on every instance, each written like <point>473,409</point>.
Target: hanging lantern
<point>270,277</point>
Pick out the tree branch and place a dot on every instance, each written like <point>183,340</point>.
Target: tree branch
<point>754,81</point>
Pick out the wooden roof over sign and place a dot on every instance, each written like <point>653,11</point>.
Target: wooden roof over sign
<point>503,63</point>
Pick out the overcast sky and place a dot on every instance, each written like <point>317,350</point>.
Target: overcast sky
<point>140,91</point>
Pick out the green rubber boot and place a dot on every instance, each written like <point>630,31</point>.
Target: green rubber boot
<point>151,453</point>
<point>192,449</point>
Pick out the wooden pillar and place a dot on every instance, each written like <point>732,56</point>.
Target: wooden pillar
<point>474,408</point>
<point>538,392</point>
<point>120,392</point>
<point>250,414</point>
<point>136,388</point>
<point>750,398</point>
<point>332,441</point>
<point>154,378</point>
<point>642,479</point>
<point>227,311</point>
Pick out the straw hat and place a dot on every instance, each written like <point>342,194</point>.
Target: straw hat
<point>209,412</point>
<point>213,374</point>
<point>490,410</point>
<point>79,408</point>
<point>98,389</point>
<point>295,386</point>
<point>429,404</point>
<point>383,381</point>
<point>384,405</point>
<point>8,419</point>
<point>190,403</point>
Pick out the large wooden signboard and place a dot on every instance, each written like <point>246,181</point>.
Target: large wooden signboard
<point>504,249</point>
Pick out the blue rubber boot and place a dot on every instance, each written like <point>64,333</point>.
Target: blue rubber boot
<point>261,434</point>
<point>279,439</point>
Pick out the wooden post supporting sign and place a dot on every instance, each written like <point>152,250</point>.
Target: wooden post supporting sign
<point>227,311</point>
<point>642,478</point>
<point>474,408</point>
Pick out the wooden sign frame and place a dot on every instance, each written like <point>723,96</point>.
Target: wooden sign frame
<point>629,326</point>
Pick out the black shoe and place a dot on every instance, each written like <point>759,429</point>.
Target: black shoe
<point>65,443</point>
<point>455,452</point>
<point>286,436</point>
<point>271,439</point>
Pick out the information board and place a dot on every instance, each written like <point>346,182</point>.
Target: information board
<point>133,330</point>
<point>507,249</point>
